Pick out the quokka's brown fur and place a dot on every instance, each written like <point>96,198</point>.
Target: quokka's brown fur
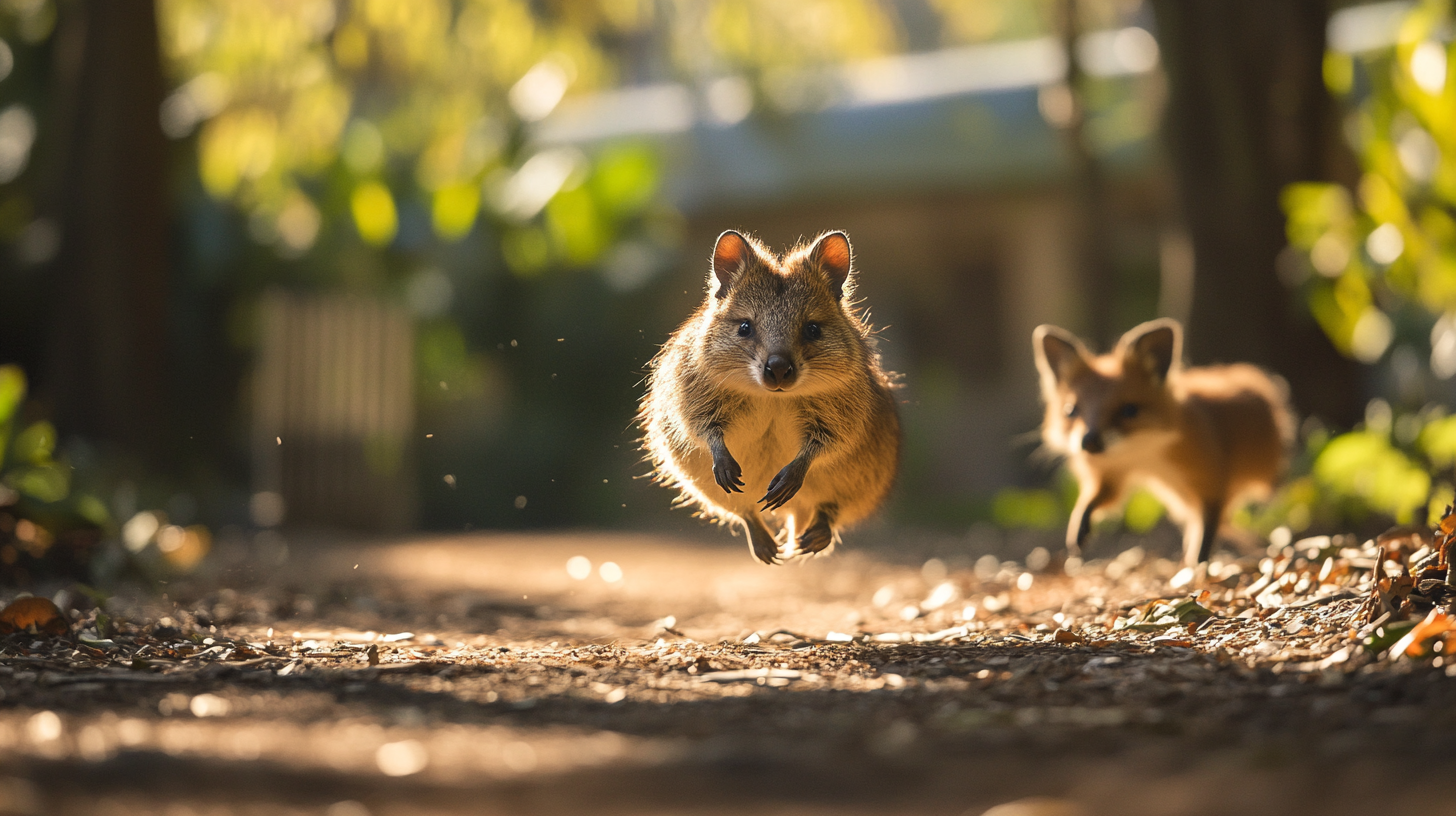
<point>1201,439</point>
<point>774,386</point>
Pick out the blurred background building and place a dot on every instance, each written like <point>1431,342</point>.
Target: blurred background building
<point>402,263</point>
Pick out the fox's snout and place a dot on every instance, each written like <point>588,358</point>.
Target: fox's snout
<point>1099,440</point>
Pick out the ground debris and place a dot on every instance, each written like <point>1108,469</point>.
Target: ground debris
<point>907,664</point>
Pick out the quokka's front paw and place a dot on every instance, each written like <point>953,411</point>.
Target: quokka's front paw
<point>784,486</point>
<point>727,473</point>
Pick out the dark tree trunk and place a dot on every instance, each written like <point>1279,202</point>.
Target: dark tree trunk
<point>106,370</point>
<point>1247,114</point>
<point>1092,217</point>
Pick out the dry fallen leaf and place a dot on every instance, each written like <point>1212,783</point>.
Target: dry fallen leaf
<point>37,615</point>
<point>1414,642</point>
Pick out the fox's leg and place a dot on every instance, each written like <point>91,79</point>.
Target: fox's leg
<point>760,541</point>
<point>1091,498</point>
<point>1201,533</point>
<point>820,533</point>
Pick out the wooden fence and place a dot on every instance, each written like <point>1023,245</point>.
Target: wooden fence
<point>333,410</point>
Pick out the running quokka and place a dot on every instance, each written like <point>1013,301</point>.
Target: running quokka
<point>1201,439</point>
<point>774,385</point>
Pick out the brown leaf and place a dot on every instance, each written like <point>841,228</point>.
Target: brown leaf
<point>1414,644</point>
<point>36,615</point>
<point>1448,522</point>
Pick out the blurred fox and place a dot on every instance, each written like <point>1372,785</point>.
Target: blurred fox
<point>1202,439</point>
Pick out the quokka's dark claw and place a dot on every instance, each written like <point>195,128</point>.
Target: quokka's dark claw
<point>783,487</point>
<point>728,474</point>
<point>816,539</point>
<point>763,546</point>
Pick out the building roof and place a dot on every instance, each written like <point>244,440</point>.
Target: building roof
<point>954,119</point>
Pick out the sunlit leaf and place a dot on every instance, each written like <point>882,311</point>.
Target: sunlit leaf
<point>45,483</point>
<point>12,392</point>
<point>1034,509</point>
<point>38,615</point>
<point>576,226</point>
<point>35,444</point>
<point>374,213</point>
<point>1395,242</point>
<point>1143,512</point>
<point>1438,441</point>
<point>454,210</point>
<point>1415,643</point>
<point>1364,464</point>
<point>625,179</point>
<point>1386,636</point>
<point>93,509</point>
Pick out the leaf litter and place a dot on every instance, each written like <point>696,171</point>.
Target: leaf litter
<point>1112,645</point>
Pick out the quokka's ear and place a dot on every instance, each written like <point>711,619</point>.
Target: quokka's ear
<point>1058,353</point>
<point>1156,346</point>
<point>731,255</point>
<point>834,258</point>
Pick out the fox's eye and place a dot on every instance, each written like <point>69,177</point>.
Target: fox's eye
<point>1128,411</point>
<point>812,331</point>
<point>1070,410</point>
<point>745,329</point>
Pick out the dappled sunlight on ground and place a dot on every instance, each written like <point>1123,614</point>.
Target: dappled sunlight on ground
<point>497,674</point>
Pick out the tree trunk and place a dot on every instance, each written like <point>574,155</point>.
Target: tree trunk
<point>106,369</point>
<point>1247,114</point>
<point>1093,219</point>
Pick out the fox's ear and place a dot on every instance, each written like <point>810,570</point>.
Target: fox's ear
<point>831,253</point>
<point>1155,345</point>
<point>1058,353</point>
<point>731,255</point>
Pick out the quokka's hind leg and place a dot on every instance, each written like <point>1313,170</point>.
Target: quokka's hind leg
<point>760,541</point>
<point>820,533</point>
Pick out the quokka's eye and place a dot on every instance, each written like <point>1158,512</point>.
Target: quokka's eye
<point>812,331</point>
<point>1070,410</point>
<point>745,329</point>
<point>1128,411</point>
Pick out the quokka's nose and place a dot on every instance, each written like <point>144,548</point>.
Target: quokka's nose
<point>778,371</point>
<point>1092,442</point>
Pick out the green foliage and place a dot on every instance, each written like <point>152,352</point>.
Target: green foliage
<point>35,444</point>
<point>1034,509</point>
<point>1042,509</point>
<point>1364,466</point>
<point>325,121</point>
<point>12,391</point>
<point>1160,615</point>
<point>47,482</point>
<point>27,466</point>
<point>1392,241</point>
<point>1143,512</point>
<point>1396,466</point>
<point>50,525</point>
<point>1438,441</point>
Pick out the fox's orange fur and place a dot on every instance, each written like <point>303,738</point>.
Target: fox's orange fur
<point>1201,439</point>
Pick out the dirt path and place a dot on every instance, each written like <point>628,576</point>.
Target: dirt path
<point>700,682</point>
